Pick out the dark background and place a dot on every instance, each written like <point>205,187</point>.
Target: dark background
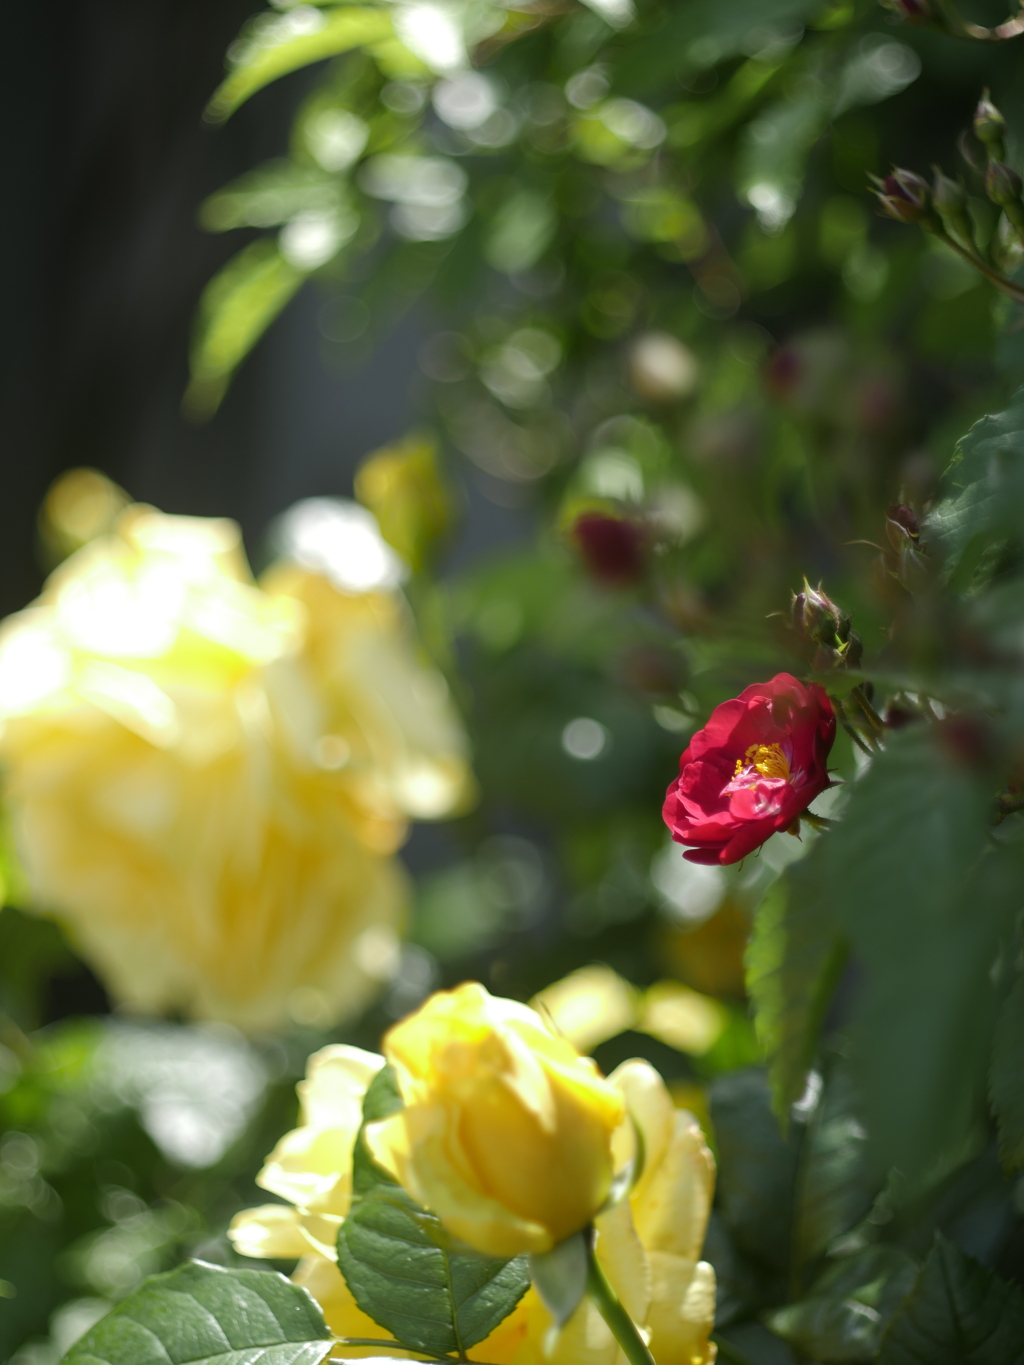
<point>108,160</point>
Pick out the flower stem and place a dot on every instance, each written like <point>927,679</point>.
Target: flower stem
<point>854,734</point>
<point>872,715</point>
<point>623,1328</point>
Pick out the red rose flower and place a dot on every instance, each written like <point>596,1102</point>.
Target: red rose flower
<point>758,763</point>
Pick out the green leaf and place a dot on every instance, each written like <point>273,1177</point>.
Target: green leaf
<point>269,196</point>
<point>828,1329</point>
<point>756,1168</point>
<point>203,1313</point>
<point>278,44</point>
<point>958,1313</point>
<point>237,307</point>
<point>405,1271</point>
<point>849,1305</point>
<point>1006,1077</point>
<point>835,1186</point>
<point>984,485</point>
<point>924,900</point>
<point>428,1296</point>
<point>793,961</point>
<point>561,1276</point>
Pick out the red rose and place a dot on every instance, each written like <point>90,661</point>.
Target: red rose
<point>758,763</point>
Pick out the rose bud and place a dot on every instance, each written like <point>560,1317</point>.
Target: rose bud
<point>1002,184</point>
<point>989,126</point>
<point>905,197</point>
<point>902,524</point>
<point>826,628</point>
<point>614,549</point>
<point>950,198</point>
<point>506,1132</point>
<point>755,767</point>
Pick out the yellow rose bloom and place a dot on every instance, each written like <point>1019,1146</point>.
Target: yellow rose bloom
<point>649,1244</point>
<point>506,1130</point>
<point>207,778</point>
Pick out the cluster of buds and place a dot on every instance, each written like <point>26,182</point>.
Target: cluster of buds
<point>941,207</point>
<point>1002,183</point>
<point>825,629</point>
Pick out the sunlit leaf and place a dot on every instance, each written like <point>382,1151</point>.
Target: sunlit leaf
<point>290,41</point>
<point>237,307</point>
<point>793,959</point>
<point>204,1315</point>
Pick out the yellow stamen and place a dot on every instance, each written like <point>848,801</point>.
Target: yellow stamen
<point>766,759</point>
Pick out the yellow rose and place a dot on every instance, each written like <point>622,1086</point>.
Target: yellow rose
<point>207,779</point>
<point>506,1130</point>
<point>649,1245</point>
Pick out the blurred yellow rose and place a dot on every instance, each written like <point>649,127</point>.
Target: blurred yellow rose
<point>506,1130</point>
<point>649,1245</point>
<point>207,778</point>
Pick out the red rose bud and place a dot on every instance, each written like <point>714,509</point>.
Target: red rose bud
<point>752,771</point>
<point>905,197</point>
<point>1002,184</point>
<point>902,524</point>
<point>614,549</point>
<point>989,126</point>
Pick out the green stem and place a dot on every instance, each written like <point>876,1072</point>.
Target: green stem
<point>818,822</point>
<point>854,734</point>
<point>872,715</point>
<point>1006,286</point>
<point>623,1328</point>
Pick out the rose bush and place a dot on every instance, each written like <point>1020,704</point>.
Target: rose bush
<point>649,1244</point>
<point>754,768</point>
<point>208,779</point>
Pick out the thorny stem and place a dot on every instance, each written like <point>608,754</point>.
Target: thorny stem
<point>623,1328</point>
<point>854,734</point>
<point>865,705</point>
